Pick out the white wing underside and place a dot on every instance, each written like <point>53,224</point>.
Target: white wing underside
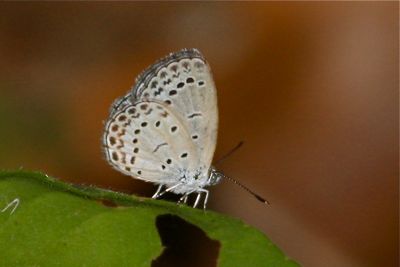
<point>167,124</point>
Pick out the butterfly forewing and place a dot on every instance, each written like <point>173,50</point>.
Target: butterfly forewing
<point>183,81</point>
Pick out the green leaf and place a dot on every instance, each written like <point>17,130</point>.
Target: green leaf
<point>60,224</point>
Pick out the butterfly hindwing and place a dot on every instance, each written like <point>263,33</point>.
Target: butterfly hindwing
<point>144,140</point>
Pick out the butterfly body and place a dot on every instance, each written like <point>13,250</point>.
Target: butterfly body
<point>164,129</point>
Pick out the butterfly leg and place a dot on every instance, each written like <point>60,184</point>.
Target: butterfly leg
<point>205,199</point>
<point>199,192</point>
<point>183,199</point>
<point>197,199</point>
<point>157,192</point>
<point>167,190</point>
<point>186,198</point>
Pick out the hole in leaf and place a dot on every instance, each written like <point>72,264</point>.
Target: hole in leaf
<point>185,244</point>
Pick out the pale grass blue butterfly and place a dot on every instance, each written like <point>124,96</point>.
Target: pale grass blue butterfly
<point>164,130</point>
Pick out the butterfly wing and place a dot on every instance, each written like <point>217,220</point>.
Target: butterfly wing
<point>182,86</point>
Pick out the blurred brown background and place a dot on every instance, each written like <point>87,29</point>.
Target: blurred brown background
<point>312,89</point>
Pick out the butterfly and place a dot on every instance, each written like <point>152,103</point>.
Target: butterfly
<point>164,130</point>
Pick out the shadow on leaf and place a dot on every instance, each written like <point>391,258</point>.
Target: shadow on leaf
<point>185,244</point>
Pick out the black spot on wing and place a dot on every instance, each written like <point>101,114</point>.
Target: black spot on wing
<point>158,147</point>
<point>191,116</point>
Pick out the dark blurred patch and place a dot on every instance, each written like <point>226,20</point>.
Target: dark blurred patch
<point>185,244</point>
<point>108,203</point>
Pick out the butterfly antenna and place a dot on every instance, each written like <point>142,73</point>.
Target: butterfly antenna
<point>229,153</point>
<point>258,197</point>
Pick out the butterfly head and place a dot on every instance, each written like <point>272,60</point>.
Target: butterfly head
<point>214,177</point>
